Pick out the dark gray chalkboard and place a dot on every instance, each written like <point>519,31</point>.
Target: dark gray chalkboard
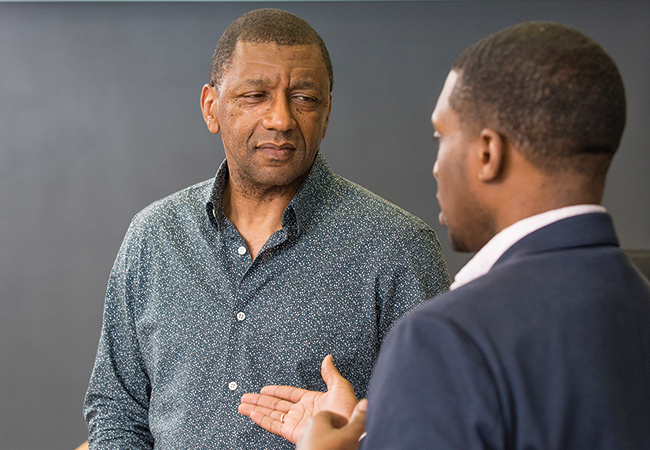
<point>99,116</point>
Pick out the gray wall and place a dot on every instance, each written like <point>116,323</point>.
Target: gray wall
<point>99,116</point>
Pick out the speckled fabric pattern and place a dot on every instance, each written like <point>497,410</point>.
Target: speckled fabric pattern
<point>191,324</point>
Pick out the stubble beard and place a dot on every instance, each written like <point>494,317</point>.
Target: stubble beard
<point>251,182</point>
<point>477,231</point>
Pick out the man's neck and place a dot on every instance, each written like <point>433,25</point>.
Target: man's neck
<point>529,191</point>
<point>485,258</point>
<point>256,214</point>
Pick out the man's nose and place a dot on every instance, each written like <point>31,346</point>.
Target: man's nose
<point>435,169</point>
<point>279,116</point>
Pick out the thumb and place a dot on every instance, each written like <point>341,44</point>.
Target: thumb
<point>330,373</point>
<point>357,423</point>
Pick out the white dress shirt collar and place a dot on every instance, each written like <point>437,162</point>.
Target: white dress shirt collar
<point>483,261</point>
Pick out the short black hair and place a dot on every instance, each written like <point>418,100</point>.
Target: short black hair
<point>545,87</point>
<point>263,26</point>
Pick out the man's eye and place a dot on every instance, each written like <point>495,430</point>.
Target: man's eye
<point>253,96</point>
<point>305,98</point>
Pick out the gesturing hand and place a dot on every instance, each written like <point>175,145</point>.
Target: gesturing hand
<point>329,431</point>
<point>284,410</point>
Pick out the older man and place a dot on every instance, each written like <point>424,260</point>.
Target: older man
<point>252,278</point>
<point>544,340</point>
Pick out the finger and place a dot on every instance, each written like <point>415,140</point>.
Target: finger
<point>260,413</point>
<point>328,430</point>
<point>267,401</point>
<point>268,422</point>
<point>318,426</point>
<point>331,419</point>
<point>278,423</point>
<point>289,393</point>
<point>330,373</point>
<point>324,422</point>
<point>357,423</point>
<point>269,415</point>
<point>264,417</point>
<point>246,409</point>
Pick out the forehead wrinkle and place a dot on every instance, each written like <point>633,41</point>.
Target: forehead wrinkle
<point>266,65</point>
<point>257,82</point>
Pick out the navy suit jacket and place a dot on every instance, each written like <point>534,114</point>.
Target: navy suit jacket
<point>549,350</point>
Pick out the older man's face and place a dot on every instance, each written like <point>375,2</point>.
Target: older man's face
<point>272,107</point>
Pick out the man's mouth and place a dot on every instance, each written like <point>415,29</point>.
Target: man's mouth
<point>276,151</point>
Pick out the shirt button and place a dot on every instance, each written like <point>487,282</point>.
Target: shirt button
<point>241,250</point>
<point>232,385</point>
<point>241,316</point>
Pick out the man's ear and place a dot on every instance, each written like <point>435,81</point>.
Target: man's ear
<point>209,108</point>
<point>491,155</point>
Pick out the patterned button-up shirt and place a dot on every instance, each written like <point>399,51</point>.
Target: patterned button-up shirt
<point>191,323</point>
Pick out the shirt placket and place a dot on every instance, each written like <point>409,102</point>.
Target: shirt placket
<point>244,290</point>
<point>241,260</point>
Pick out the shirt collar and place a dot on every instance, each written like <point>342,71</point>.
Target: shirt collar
<point>214,201</point>
<point>483,261</point>
<point>299,211</point>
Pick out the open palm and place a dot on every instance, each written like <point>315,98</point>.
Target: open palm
<point>284,410</point>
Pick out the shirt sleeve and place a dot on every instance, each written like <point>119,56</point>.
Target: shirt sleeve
<point>117,401</point>
<point>414,270</point>
<point>432,388</point>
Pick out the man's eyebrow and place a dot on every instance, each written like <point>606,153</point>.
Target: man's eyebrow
<point>263,82</point>
<point>256,82</point>
<point>305,84</point>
